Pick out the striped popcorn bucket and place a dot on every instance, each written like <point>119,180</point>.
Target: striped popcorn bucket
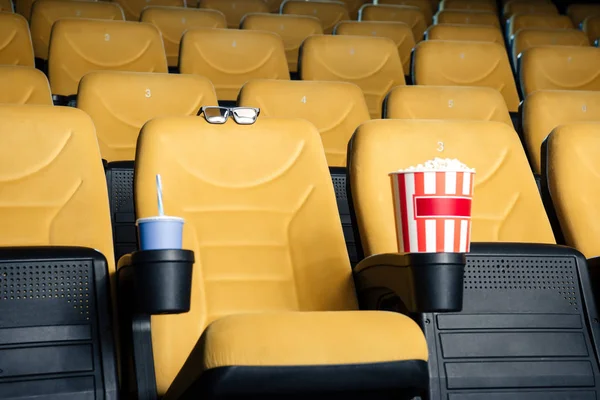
<point>433,211</point>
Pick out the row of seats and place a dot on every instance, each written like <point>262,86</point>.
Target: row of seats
<point>120,103</point>
<point>232,57</point>
<point>200,165</point>
<point>173,21</point>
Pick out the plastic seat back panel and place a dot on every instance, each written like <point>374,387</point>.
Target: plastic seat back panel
<point>81,46</point>
<point>292,29</point>
<point>229,58</point>
<point>372,63</point>
<point>46,12</point>
<point>24,85</point>
<point>410,15</point>
<point>15,40</point>
<point>330,13</point>
<point>456,63</point>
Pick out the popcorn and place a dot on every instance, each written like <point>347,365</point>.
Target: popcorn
<point>440,165</point>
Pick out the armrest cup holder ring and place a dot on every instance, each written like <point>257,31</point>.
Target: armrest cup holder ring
<point>438,280</point>
<point>162,281</point>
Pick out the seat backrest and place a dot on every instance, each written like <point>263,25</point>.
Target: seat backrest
<point>133,8</point>
<point>281,201</point>
<point>79,46</point>
<point>527,38</point>
<point>172,22</point>
<point>446,102</point>
<point>234,10</point>
<point>591,26</point>
<point>522,21</point>
<point>399,32</point>
<point>120,103</point>
<point>336,109</point>
<point>410,15</point>
<point>15,40</point>
<point>505,192</point>
<point>53,186</point>
<point>232,57</point>
<point>456,63</point>
<point>461,17</point>
<point>292,29</point>
<point>512,8</point>
<point>573,167</point>
<point>474,5</point>
<point>6,6</point>
<point>469,33</point>
<point>544,110</point>
<point>372,63</point>
<point>579,12</point>
<point>424,6</point>
<point>23,85</point>
<point>45,12</point>
<point>560,68</point>
<point>328,12</point>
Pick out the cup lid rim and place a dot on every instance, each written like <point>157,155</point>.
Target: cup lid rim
<point>159,218</point>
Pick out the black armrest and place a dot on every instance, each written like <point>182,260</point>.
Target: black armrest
<point>55,315</point>
<point>150,282</point>
<point>411,283</point>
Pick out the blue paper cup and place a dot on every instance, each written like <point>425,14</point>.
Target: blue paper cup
<point>160,233</point>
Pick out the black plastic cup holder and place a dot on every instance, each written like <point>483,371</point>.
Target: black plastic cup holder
<point>438,280</point>
<point>162,281</point>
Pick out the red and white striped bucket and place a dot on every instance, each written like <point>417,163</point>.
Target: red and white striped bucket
<point>433,211</point>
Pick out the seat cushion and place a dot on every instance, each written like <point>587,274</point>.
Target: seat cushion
<point>305,351</point>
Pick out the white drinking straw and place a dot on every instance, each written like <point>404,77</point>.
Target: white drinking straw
<point>161,210</point>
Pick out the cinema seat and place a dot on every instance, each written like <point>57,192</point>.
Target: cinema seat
<point>560,68</point>
<point>173,22</point>
<point>539,8</point>
<point>235,10</point>
<point>280,283</point>
<point>24,85</point>
<point>79,46</point>
<point>528,38</point>
<point>579,12</point>
<point>537,21</point>
<point>424,6</point>
<point>526,303</point>
<point>399,32</point>
<point>330,13</point>
<point>372,63</point>
<point>591,26</point>
<point>230,57</point>
<point>446,103</point>
<point>56,258</point>
<point>459,63</point>
<point>292,29</point>
<point>544,110</point>
<point>46,12</point>
<point>474,5</point>
<point>459,17</point>
<point>411,16</point>
<point>572,176</point>
<point>17,50</point>
<point>469,33</point>
<point>133,8</point>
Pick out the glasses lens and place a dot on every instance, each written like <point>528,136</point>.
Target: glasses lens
<point>215,115</point>
<point>245,115</point>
